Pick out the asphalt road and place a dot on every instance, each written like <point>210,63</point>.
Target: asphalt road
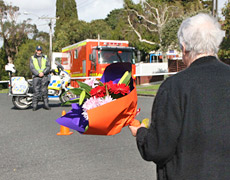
<point>31,150</point>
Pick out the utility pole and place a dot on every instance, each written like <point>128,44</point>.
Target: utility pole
<point>50,25</point>
<point>215,8</point>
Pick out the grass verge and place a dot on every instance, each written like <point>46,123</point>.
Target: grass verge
<point>150,90</point>
<point>4,90</point>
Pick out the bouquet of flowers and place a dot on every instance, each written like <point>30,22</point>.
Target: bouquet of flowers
<point>104,107</point>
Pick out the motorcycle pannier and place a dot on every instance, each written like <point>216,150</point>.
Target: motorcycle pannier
<point>19,85</point>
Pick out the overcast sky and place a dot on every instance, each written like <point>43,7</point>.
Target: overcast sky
<point>87,9</point>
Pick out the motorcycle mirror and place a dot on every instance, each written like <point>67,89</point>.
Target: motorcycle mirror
<point>57,63</point>
<point>59,66</point>
<point>10,68</point>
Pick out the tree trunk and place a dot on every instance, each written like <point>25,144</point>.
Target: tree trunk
<point>10,60</point>
<point>8,52</point>
<point>164,56</point>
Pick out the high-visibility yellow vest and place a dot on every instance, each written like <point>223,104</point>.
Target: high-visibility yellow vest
<point>36,65</point>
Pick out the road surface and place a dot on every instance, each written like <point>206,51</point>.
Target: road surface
<point>31,150</point>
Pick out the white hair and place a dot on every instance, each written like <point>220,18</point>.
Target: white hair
<point>201,34</point>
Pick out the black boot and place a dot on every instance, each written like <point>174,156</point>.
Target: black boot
<point>35,107</point>
<point>46,104</point>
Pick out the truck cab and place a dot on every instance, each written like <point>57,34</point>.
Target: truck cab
<point>103,55</point>
<point>91,56</point>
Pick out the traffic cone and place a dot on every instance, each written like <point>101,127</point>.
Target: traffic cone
<point>64,130</point>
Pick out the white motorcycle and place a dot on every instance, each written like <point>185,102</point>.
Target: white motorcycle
<point>21,90</point>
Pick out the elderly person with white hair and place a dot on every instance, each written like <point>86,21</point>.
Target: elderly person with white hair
<point>189,134</point>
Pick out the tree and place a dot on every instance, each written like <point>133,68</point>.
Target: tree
<point>224,53</point>
<point>81,30</point>
<point>169,34</point>
<point>191,6</point>
<point>117,20</point>
<point>12,33</point>
<point>100,27</point>
<point>66,12</point>
<point>148,18</point>
<point>170,29</point>
<point>114,17</point>
<point>66,36</point>
<point>41,36</point>
<point>3,62</point>
<point>207,4</point>
<point>156,22</point>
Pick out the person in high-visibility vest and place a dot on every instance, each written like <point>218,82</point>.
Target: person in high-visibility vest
<point>40,68</point>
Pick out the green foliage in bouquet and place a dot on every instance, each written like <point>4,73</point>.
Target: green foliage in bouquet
<point>84,91</point>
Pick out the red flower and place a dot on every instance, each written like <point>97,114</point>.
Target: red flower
<point>120,89</point>
<point>98,91</point>
<point>109,85</point>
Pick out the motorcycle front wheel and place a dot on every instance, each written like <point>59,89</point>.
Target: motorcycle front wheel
<point>21,102</point>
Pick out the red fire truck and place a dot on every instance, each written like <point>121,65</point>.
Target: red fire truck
<point>90,57</point>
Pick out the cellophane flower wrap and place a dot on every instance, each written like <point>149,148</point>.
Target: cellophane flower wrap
<point>109,106</point>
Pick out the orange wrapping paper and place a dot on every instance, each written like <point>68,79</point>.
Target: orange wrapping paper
<point>110,118</point>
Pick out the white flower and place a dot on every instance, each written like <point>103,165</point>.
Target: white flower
<point>92,82</point>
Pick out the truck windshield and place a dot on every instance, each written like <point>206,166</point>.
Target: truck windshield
<point>114,56</point>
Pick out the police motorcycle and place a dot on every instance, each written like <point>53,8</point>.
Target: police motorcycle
<point>21,89</point>
<point>60,84</point>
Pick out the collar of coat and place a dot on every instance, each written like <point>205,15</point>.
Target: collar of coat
<point>42,55</point>
<point>202,60</point>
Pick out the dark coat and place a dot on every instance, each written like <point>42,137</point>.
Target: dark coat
<point>189,135</point>
<point>40,85</point>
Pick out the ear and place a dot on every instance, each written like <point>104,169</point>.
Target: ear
<point>183,48</point>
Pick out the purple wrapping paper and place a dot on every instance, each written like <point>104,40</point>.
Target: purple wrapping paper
<point>74,119</point>
<point>115,71</point>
